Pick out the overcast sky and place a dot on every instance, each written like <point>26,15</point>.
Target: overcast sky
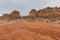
<point>24,6</point>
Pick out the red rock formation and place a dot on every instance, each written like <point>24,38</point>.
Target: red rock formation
<point>33,13</point>
<point>15,14</point>
<point>49,12</point>
<point>6,15</point>
<point>44,11</point>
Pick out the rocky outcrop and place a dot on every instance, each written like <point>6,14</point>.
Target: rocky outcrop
<point>49,13</point>
<point>15,14</point>
<point>49,10</point>
<point>46,13</point>
<point>33,13</point>
<point>6,15</point>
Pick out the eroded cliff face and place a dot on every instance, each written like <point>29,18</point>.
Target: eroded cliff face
<point>49,13</point>
<point>13,15</point>
<point>46,13</point>
<point>33,13</point>
<point>6,15</point>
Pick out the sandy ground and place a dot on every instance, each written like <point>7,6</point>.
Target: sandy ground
<point>18,30</point>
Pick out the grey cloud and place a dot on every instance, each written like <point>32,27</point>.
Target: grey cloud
<point>24,6</point>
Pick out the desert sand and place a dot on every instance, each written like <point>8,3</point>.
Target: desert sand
<point>17,30</point>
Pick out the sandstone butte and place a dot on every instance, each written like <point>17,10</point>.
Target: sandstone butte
<point>44,26</point>
<point>14,15</point>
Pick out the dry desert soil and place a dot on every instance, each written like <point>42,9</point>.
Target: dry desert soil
<point>17,30</point>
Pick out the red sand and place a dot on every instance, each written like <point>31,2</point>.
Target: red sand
<point>29,31</point>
